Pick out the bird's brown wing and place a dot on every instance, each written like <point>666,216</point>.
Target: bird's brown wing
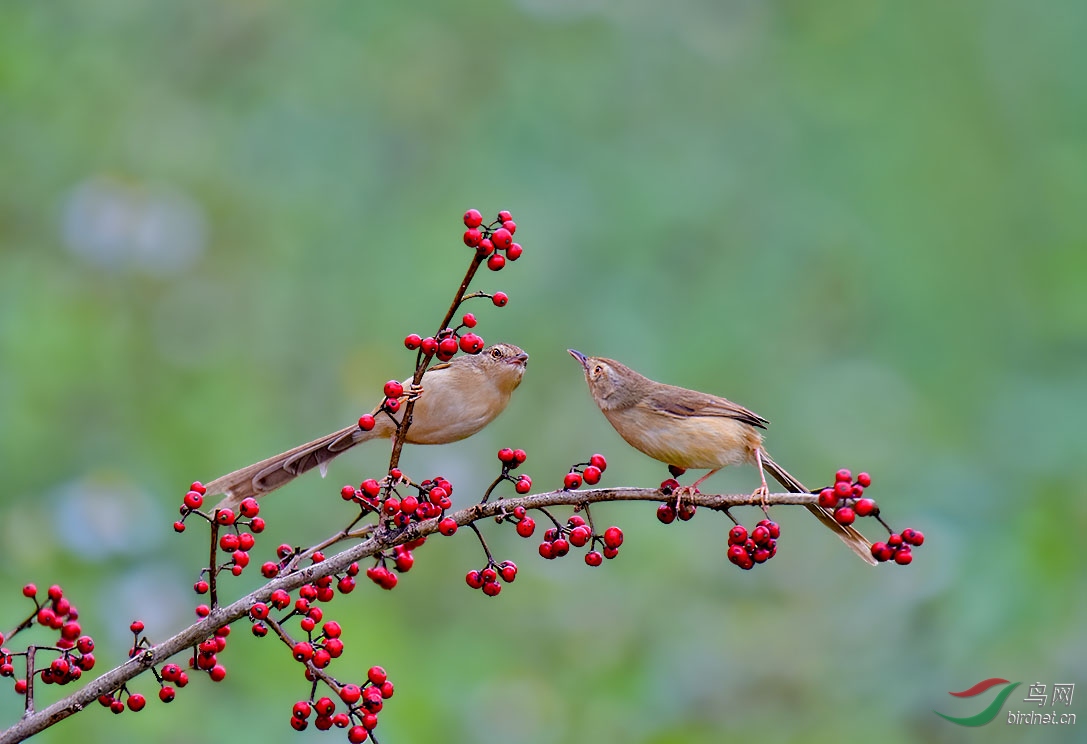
<point>679,401</point>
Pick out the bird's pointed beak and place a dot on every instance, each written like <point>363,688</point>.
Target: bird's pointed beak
<point>580,357</point>
<point>521,359</point>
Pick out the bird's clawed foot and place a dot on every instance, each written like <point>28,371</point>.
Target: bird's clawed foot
<point>414,392</point>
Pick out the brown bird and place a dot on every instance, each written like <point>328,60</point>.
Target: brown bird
<point>458,398</point>
<point>688,429</point>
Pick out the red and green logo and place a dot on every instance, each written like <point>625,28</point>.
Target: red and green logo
<point>991,711</point>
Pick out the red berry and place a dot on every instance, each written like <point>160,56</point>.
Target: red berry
<point>843,489</point>
<point>366,422</point>
<point>357,734</point>
<point>136,627</point>
<point>472,237</point>
<point>575,521</point>
<point>687,511</point>
<point>392,405</point>
<point>894,540</point>
<point>496,262</point>
<point>485,247</point>
<point>882,551</point>
<point>470,343</point>
<point>912,537</point>
<point>412,341</point>
<point>737,535</point>
<point>865,507</point>
<point>610,553</point>
<point>393,389</point>
<point>593,558</point>
<point>760,535</point>
<point>179,526</point>
<point>30,590</point>
<point>613,537</point>
<point>547,550</point>
<point>492,588</point>
<point>526,527</point>
<point>598,461</point>
<point>903,556</point>
<point>844,515</point>
<point>198,487</point>
<point>514,251</point>
<point>666,513</point>
<point>473,218</point>
<point>827,498</point>
<point>843,476</point>
<point>447,526</point>
<point>194,500</point>
<point>502,238</point>
<point>580,536</point>
<point>864,479</point>
<point>571,481</point>
<point>428,345</point>
<point>510,225</point>
<point>377,675</point>
<point>500,299</point>
<point>447,346</point>
<point>591,475</point>
<point>474,579</point>
<point>523,484</point>
<point>508,571</point>
<point>519,457</point>
<point>504,215</point>
<point>249,507</point>
<point>302,651</point>
<point>167,694</point>
<point>350,693</point>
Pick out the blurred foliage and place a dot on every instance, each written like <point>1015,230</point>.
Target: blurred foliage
<point>862,219</point>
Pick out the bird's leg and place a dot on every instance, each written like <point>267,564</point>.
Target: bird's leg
<point>763,491</point>
<point>691,489</point>
<point>414,392</point>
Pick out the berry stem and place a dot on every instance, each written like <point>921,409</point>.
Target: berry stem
<point>483,543</point>
<point>212,570</point>
<point>490,488</point>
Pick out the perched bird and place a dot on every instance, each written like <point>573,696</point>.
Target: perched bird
<point>688,429</point>
<point>458,398</point>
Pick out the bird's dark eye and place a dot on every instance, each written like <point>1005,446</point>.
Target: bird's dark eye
<point>496,353</point>
<point>597,371</point>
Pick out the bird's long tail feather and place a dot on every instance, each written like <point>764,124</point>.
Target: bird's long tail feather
<point>268,475</point>
<point>850,536</point>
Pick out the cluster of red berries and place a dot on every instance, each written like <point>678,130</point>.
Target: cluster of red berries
<point>363,704</point>
<point>898,547</point>
<point>75,649</point>
<point>206,658</point>
<point>488,578</point>
<point>760,545</point>
<point>512,459</point>
<point>237,542</point>
<point>588,472</point>
<point>448,340</point>
<point>847,500</point>
<point>576,533</point>
<point>401,561</point>
<point>669,510</point>
<point>431,498</point>
<point>492,240</point>
<point>846,497</point>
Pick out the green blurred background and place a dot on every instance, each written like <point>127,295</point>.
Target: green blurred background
<point>864,220</point>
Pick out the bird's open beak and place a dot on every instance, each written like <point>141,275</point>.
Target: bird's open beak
<point>580,357</point>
